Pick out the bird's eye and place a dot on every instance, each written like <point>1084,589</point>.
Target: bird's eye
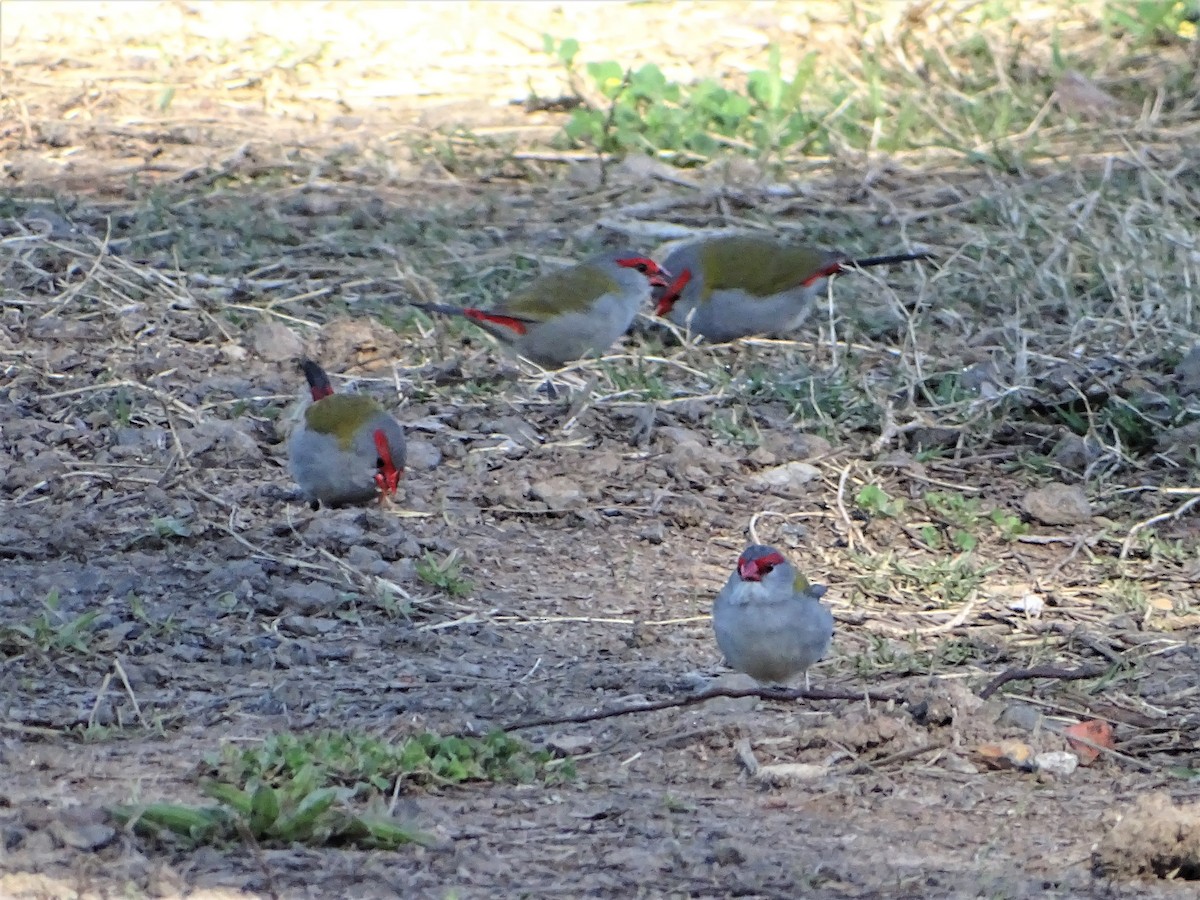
<point>643,268</point>
<point>379,463</point>
<point>765,568</point>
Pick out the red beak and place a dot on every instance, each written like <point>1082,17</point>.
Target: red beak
<point>748,570</point>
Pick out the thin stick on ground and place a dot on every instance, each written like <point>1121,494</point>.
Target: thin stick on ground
<point>765,693</point>
<point>1080,674</point>
<point>1176,513</point>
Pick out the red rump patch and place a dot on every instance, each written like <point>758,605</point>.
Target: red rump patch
<point>387,479</point>
<point>667,301</point>
<point>480,315</point>
<point>824,272</point>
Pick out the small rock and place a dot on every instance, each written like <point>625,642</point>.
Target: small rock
<point>517,430</point>
<point>558,492</point>
<point>233,353</point>
<point>1031,604</point>
<point>1058,504</point>
<point>422,456</point>
<point>733,681</point>
<point>275,342</point>
<point>570,745</point>
<point>1188,372</point>
<point>1076,453</point>
<point>336,529</point>
<point>784,774</point>
<point>952,762</point>
<point>302,625</point>
<point>811,446</point>
<point>727,853</point>
<point>761,456</point>
<point>1021,715</point>
<point>313,597</point>
<point>151,437</point>
<point>83,837</point>
<point>933,437</point>
<point>1178,440</point>
<point>223,438</point>
<point>673,436</point>
<point>365,560</point>
<point>789,475</point>
<point>654,533</point>
<point>1058,763</point>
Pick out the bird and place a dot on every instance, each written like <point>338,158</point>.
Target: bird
<point>575,312</point>
<point>735,286</point>
<point>769,621</point>
<point>347,450</point>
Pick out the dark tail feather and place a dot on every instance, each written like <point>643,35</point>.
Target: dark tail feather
<point>886,260</point>
<point>318,381</point>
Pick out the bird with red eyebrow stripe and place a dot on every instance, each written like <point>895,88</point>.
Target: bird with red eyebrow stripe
<point>575,312</point>
<point>347,450</point>
<point>769,621</point>
<point>734,286</point>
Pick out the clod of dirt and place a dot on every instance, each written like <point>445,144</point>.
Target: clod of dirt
<point>1174,439</point>
<point>516,429</point>
<point>952,762</point>
<point>558,492</point>
<point>357,343</point>
<point>790,476</point>
<point>571,745</point>
<point>310,598</point>
<point>946,703</point>
<point>1081,98</point>
<point>1187,372</point>
<point>784,774</point>
<point>733,681</point>
<point>932,437</point>
<point>1155,838</point>
<point>225,442</point>
<point>1076,452</point>
<point>864,731</point>
<point>1058,504</point>
<point>672,436</point>
<point>276,342</point>
<point>422,456</point>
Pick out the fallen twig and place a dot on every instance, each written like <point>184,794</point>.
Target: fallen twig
<point>766,693</point>
<point>1041,672</point>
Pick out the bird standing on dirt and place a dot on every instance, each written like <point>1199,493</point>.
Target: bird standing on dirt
<point>769,621</point>
<point>741,285</point>
<point>572,313</point>
<point>347,450</point>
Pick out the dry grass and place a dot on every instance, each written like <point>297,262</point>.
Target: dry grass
<point>322,176</point>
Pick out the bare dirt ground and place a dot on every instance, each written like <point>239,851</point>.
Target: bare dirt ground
<point>189,205</point>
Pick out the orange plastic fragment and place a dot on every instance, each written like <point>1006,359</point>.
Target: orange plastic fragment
<point>1005,755</point>
<point>1093,731</point>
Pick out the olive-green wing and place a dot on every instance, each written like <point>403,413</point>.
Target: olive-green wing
<point>757,266</point>
<point>569,290</point>
<point>340,415</point>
